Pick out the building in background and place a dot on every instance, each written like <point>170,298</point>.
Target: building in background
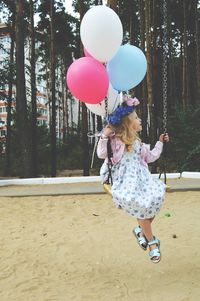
<point>43,107</point>
<point>67,111</point>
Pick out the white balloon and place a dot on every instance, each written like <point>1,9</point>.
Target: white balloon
<point>97,109</point>
<point>101,32</point>
<point>113,100</point>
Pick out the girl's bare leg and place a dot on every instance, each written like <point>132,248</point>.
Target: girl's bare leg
<point>145,224</point>
<point>152,218</point>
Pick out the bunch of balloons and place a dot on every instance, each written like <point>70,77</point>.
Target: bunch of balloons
<point>107,68</point>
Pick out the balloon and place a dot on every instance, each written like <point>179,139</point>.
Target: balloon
<point>87,79</point>
<point>127,68</point>
<point>101,32</point>
<point>98,109</point>
<point>113,100</point>
<point>87,54</point>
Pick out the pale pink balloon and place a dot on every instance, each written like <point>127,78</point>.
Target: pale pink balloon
<point>87,54</point>
<point>88,80</point>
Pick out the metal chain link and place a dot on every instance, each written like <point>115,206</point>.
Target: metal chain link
<point>164,66</point>
<point>164,80</point>
<point>106,106</point>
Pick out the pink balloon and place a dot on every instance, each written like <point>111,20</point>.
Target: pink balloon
<point>87,54</point>
<point>87,79</point>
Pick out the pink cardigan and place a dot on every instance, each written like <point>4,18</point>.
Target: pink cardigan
<point>118,148</point>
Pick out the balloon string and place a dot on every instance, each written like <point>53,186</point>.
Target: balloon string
<point>93,153</point>
<point>93,135</point>
<point>121,99</point>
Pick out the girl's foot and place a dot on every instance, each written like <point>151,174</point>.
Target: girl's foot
<point>141,239</point>
<point>154,247</point>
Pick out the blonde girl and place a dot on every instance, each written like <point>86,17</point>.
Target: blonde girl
<point>134,189</point>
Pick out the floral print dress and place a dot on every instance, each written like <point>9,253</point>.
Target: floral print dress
<point>134,187</point>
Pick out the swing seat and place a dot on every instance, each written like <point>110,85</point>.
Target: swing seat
<point>107,188</point>
<point>168,188</point>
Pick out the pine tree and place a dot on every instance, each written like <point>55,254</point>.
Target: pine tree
<point>34,147</point>
<point>21,101</point>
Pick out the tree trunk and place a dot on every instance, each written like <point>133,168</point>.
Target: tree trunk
<point>53,100</point>
<point>71,113</point>
<point>156,68</point>
<point>144,83</point>
<point>185,57</point>
<point>86,168</point>
<point>93,128</point>
<point>21,102</point>
<point>197,38</point>
<point>34,152</point>
<point>172,99</point>
<point>151,113</point>
<point>132,19</point>
<point>64,97</point>
<point>9,101</point>
<point>85,160</point>
<point>191,57</point>
<point>112,4</point>
<point>99,124</point>
<point>79,120</point>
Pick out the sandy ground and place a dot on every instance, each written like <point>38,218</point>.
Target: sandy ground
<point>67,248</point>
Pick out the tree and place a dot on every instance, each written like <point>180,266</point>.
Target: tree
<point>149,78</point>
<point>144,83</point>
<point>21,101</point>
<point>185,91</point>
<point>197,37</point>
<point>82,7</point>
<point>11,27</point>
<point>112,4</point>
<point>53,100</point>
<point>34,152</point>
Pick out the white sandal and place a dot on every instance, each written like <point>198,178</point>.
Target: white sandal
<point>143,243</point>
<point>155,254</point>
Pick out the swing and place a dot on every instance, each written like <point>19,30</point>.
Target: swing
<point>107,185</point>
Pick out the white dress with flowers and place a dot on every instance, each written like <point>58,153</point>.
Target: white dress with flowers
<point>134,187</point>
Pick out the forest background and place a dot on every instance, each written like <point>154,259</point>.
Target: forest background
<point>32,150</point>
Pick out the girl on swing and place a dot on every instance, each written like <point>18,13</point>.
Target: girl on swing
<point>134,189</point>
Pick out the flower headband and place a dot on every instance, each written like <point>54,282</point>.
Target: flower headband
<point>127,107</point>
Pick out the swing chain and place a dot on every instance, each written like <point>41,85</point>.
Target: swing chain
<point>164,73</point>
<point>106,106</point>
<point>164,81</point>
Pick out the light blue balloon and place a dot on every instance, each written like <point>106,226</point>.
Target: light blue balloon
<point>127,68</point>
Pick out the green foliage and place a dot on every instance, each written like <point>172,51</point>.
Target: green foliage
<point>66,29</point>
<point>183,151</point>
<point>70,153</point>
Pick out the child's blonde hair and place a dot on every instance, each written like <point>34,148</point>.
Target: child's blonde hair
<point>125,132</point>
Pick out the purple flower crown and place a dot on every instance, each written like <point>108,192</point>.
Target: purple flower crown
<point>127,107</point>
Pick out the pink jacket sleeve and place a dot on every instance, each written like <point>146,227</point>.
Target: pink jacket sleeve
<point>151,155</point>
<point>117,146</point>
<point>102,148</point>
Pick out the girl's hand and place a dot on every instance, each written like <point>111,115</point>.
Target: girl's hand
<point>108,132</point>
<point>164,138</point>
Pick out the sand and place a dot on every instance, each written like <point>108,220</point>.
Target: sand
<point>66,248</point>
